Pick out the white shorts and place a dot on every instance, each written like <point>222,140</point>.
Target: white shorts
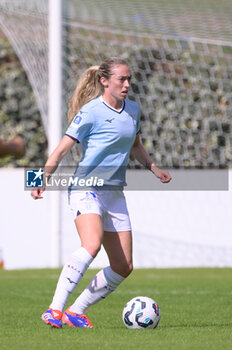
<point>110,205</point>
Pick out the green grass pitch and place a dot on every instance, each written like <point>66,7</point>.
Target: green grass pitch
<point>196,311</point>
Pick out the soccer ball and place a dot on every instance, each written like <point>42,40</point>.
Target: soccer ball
<point>141,313</point>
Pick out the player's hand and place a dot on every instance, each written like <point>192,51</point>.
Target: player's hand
<point>37,193</point>
<point>163,175</point>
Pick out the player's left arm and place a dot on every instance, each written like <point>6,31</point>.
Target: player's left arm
<point>139,152</point>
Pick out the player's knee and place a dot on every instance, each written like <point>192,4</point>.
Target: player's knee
<point>93,249</point>
<point>123,269</point>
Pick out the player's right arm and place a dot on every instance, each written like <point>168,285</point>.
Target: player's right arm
<point>53,161</point>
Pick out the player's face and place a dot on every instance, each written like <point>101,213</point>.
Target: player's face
<point>116,87</point>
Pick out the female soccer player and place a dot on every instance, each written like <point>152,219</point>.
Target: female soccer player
<point>107,126</point>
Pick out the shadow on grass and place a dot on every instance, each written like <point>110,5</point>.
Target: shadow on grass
<point>199,325</point>
<point>179,326</point>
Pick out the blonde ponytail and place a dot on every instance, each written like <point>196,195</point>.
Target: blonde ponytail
<point>88,87</point>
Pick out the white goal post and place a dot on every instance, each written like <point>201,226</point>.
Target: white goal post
<point>54,130</point>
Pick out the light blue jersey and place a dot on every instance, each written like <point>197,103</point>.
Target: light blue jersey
<point>106,135</point>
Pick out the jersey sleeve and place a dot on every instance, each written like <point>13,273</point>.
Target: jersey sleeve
<point>80,127</point>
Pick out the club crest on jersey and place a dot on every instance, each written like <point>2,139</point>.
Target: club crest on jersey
<point>77,119</point>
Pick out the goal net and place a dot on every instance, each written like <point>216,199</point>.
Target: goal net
<point>180,54</point>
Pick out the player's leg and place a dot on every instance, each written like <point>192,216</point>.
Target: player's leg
<point>89,227</point>
<point>118,246</point>
<point>70,276</point>
<point>90,230</point>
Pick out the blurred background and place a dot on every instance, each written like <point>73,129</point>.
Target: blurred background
<point>180,54</point>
